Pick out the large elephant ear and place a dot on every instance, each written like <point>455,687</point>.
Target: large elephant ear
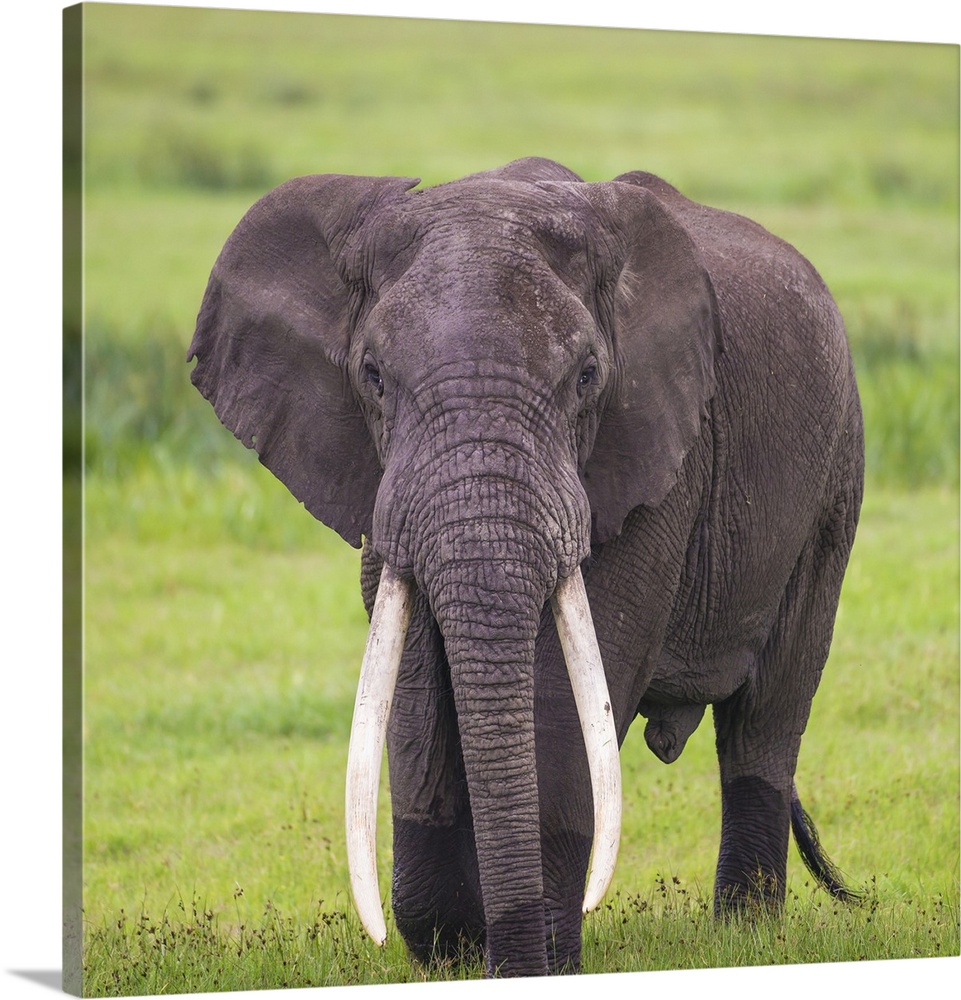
<point>272,343</point>
<point>665,331</point>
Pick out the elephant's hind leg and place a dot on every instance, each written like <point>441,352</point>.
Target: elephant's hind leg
<point>759,732</point>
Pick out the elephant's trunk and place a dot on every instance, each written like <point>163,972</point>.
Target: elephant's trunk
<point>489,615</point>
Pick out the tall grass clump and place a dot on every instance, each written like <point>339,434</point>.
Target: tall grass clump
<point>178,157</point>
<point>910,389</point>
<point>139,404</point>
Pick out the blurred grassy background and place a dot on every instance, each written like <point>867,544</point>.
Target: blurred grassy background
<point>847,149</point>
<point>224,626</point>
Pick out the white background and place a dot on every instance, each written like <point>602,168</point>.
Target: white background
<point>30,478</point>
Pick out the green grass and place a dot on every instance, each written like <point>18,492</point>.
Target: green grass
<point>670,927</point>
<point>223,625</point>
<point>667,927</point>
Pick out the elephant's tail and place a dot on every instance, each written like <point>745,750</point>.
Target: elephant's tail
<point>814,857</point>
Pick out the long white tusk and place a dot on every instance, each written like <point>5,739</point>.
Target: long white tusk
<point>575,627</point>
<point>375,690</point>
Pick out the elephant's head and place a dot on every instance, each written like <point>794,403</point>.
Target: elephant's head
<point>482,379</point>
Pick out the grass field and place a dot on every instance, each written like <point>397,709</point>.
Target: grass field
<point>223,626</point>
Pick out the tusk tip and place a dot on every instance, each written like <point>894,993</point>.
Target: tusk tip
<point>378,934</point>
<point>597,885</point>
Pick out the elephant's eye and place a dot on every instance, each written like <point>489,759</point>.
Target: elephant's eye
<point>373,376</point>
<point>587,378</point>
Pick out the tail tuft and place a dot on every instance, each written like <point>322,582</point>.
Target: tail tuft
<point>812,854</point>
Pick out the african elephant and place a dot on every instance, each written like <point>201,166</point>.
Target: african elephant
<point>528,395</point>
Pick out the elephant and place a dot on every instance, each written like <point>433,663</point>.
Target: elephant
<point>602,449</point>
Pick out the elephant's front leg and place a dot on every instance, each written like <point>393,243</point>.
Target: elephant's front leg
<point>566,804</point>
<point>436,889</point>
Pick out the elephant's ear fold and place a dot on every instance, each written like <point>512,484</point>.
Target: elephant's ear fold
<point>272,343</point>
<point>659,306</point>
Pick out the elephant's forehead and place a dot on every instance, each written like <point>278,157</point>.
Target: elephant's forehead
<point>507,257</point>
<point>442,318</point>
<point>504,219</point>
<point>473,305</point>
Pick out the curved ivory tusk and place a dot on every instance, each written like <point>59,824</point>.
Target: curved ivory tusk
<point>575,628</point>
<point>368,732</point>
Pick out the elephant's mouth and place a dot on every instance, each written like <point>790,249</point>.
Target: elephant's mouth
<point>385,644</point>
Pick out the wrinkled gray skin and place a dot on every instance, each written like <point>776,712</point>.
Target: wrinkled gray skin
<point>496,380</point>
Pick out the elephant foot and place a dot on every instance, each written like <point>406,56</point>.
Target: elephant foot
<point>566,965</point>
<point>760,896</point>
<point>433,943</point>
<point>436,894</point>
<point>669,727</point>
<point>564,948</point>
<point>752,862</point>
